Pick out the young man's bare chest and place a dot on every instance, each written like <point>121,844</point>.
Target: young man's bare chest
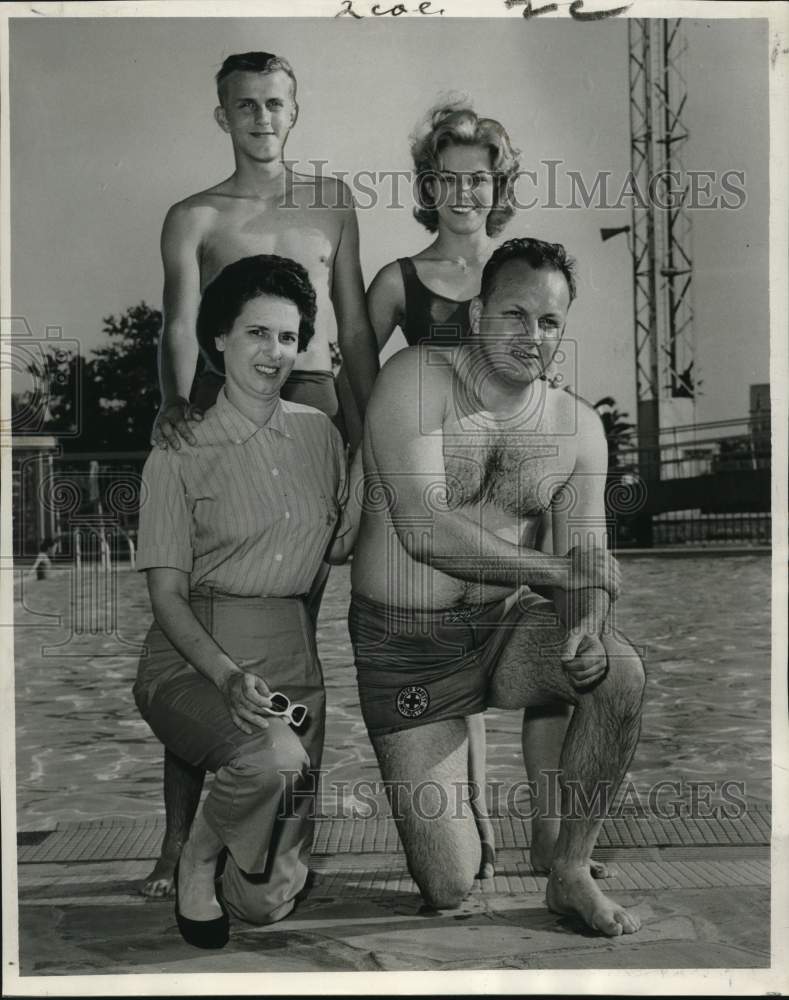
<point>242,227</point>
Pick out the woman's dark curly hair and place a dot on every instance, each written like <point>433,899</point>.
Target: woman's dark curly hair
<point>246,279</point>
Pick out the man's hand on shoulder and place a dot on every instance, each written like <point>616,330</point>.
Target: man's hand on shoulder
<point>172,424</point>
<point>178,349</point>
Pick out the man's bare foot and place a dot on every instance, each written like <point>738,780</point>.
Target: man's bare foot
<point>543,844</point>
<point>596,868</point>
<point>571,889</point>
<point>159,884</point>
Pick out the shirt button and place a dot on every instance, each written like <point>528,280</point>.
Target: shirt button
<point>275,472</point>
<point>278,557</point>
<point>287,515</point>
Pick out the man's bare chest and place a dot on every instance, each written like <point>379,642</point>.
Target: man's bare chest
<point>307,236</point>
<point>516,472</point>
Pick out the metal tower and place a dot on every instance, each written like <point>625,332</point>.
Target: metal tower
<point>666,378</point>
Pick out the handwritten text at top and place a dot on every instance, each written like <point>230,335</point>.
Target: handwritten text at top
<point>576,10</point>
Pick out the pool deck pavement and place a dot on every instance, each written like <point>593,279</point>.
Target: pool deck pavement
<point>701,888</point>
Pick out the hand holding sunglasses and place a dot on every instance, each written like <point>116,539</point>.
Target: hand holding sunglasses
<point>292,711</point>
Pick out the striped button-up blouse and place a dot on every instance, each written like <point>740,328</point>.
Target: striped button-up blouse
<point>248,510</point>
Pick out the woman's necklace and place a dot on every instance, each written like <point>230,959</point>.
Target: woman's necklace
<point>464,263</point>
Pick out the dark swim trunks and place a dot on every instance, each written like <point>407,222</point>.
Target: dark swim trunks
<point>312,389</point>
<point>416,667</point>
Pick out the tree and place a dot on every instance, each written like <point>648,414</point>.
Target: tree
<point>124,379</point>
<point>619,434</point>
<point>104,403</point>
<point>618,431</point>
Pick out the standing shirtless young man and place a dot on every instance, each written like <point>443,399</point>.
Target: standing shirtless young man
<point>466,450</point>
<point>262,208</point>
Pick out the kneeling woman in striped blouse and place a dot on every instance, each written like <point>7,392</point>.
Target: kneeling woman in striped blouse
<point>232,532</point>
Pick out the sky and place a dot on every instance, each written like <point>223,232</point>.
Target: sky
<point>112,122</point>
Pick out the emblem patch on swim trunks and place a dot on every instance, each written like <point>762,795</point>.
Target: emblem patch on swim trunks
<point>412,701</point>
<point>458,615</point>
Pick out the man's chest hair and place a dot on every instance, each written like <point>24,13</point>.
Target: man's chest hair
<point>518,472</point>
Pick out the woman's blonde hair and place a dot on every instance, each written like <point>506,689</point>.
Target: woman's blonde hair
<point>454,122</point>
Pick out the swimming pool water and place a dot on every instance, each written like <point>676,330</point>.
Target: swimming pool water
<point>84,753</point>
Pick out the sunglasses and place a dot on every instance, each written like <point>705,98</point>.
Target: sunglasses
<point>293,712</point>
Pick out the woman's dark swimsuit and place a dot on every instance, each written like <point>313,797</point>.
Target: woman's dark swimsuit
<point>430,317</point>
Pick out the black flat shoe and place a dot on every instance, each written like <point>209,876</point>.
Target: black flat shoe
<point>210,934</point>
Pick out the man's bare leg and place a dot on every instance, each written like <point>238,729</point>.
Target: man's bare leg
<point>183,784</point>
<point>477,772</point>
<point>543,734</point>
<point>599,745</point>
<point>425,770</point>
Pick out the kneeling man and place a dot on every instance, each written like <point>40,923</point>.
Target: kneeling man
<point>471,460</point>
